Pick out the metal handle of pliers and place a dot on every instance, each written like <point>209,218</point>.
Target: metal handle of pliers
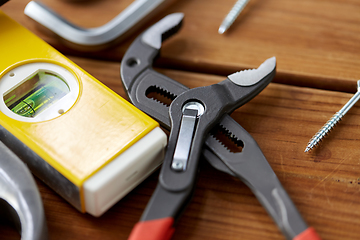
<point>177,176</point>
<point>251,166</point>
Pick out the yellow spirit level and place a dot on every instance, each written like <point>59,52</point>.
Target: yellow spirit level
<point>82,139</point>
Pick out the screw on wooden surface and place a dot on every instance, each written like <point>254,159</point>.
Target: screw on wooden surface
<point>315,140</point>
<point>232,15</point>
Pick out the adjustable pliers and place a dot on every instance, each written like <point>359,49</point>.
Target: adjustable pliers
<point>191,118</point>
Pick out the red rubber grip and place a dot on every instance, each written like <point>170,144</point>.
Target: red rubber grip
<point>308,234</point>
<point>158,229</point>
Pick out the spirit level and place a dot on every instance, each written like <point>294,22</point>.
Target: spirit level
<point>82,139</point>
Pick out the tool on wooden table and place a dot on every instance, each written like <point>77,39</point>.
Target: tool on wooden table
<point>20,199</point>
<point>191,116</point>
<point>232,15</point>
<point>83,140</point>
<point>316,139</point>
<point>117,29</point>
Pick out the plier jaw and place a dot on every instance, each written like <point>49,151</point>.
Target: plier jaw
<point>138,77</point>
<point>191,114</point>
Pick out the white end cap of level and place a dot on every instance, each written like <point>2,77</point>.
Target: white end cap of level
<point>124,173</point>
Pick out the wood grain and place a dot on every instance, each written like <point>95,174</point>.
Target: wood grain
<point>316,45</point>
<point>324,184</point>
<point>315,42</point>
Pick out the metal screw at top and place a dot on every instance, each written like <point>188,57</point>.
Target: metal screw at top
<point>232,15</point>
<point>315,140</point>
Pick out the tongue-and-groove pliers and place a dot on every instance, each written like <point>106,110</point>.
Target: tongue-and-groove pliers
<point>193,116</point>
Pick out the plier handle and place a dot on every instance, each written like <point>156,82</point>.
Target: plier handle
<point>191,118</point>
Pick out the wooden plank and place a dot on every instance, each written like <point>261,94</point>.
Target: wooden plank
<point>315,42</point>
<point>324,184</point>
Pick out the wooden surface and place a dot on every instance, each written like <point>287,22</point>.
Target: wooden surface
<point>317,48</point>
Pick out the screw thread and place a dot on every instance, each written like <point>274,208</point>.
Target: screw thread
<point>328,126</point>
<point>238,7</point>
<point>333,120</point>
<point>232,15</point>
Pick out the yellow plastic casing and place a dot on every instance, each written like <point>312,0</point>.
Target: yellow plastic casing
<point>96,129</point>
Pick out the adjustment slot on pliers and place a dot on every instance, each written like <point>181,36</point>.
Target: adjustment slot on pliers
<point>229,140</point>
<point>160,95</point>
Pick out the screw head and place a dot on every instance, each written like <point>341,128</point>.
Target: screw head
<point>177,166</point>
